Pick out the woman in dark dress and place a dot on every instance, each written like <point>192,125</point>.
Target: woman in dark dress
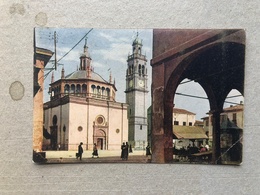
<point>95,151</point>
<point>123,151</point>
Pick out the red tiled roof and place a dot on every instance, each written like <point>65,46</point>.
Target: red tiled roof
<point>198,122</point>
<point>182,111</point>
<point>238,107</point>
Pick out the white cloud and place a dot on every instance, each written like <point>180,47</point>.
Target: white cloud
<point>114,39</point>
<point>97,64</point>
<point>106,36</point>
<point>116,52</point>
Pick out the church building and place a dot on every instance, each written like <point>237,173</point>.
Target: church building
<point>82,108</point>
<point>136,95</point>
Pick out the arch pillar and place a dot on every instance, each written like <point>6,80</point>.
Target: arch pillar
<point>161,119</point>
<point>158,138</point>
<point>216,154</point>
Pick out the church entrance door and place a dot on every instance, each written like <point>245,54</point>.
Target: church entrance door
<point>100,143</point>
<point>100,139</point>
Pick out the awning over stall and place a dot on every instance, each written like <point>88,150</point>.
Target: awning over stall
<point>188,132</point>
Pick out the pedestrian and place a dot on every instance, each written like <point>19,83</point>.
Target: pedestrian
<point>123,151</point>
<point>95,151</point>
<point>207,147</point>
<point>80,151</point>
<point>127,150</point>
<point>130,149</point>
<point>148,152</point>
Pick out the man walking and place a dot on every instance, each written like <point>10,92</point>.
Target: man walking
<point>80,151</point>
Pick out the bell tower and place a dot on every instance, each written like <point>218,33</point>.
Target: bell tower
<point>136,95</point>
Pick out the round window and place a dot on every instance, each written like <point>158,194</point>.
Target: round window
<point>80,128</point>
<point>100,120</point>
<point>117,130</point>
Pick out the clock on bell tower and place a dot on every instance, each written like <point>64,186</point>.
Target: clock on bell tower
<point>136,95</point>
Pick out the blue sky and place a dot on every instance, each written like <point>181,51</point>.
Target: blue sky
<point>109,49</point>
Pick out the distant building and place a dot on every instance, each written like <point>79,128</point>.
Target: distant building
<point>82,108</point>
<point>232,113</point>
<point>186,130</point>
<point>199,123</point>
<point>183,117</point>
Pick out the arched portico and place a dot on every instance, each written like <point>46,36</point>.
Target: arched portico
<point>213,58</point>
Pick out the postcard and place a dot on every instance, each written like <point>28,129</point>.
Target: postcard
<point>138,95</point>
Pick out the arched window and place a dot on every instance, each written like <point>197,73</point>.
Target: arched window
<point>103,92</point>
<point>98,92</point>
<point>139,69</point>
<point>143,70</point>
<point>108,93</point>
<point>93,90</point>
<point>84,90</point>
<point>78,89</point>
<point>54,91</point>
<point>139,50</point>
<point>72,89</point>
<point>66,89</point>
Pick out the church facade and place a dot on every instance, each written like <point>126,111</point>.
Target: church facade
<point>136,95</point>
<point>82,108</point>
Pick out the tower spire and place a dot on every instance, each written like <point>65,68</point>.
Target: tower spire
<point>86,47</point>
<point>62,73</point>
<point>137,45</point>
<point>52,77</point>
<point>110,77</point>
<point>85,59</point>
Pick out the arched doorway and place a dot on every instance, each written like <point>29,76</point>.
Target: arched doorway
<point>100,139</point>
<point>212,58</point>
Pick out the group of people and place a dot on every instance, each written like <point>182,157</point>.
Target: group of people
<point>80,151</point>
<point>198,149</point>
<point>125,150</point>
<point>204,148</point>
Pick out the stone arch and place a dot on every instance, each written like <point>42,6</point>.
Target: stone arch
<point>217,66</point>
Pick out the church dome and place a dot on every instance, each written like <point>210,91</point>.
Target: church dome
<point>82,74</point>
<point>137,41</point>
